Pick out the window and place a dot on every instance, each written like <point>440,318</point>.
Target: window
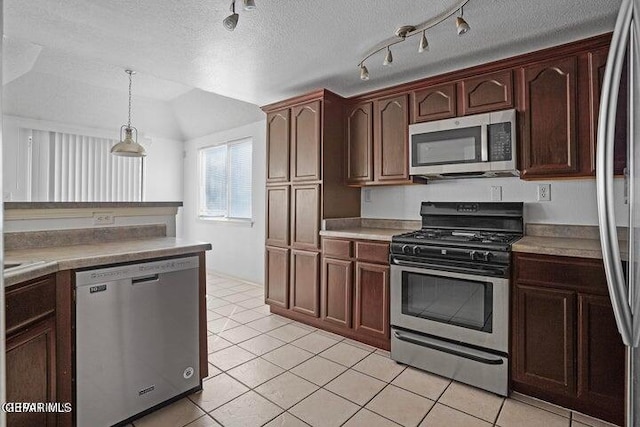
<point>65,167</point>
<point>225,181</point>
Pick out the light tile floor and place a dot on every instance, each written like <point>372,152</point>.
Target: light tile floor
<point>266,370</point>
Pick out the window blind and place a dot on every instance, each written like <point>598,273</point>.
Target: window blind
<point>77,168</point>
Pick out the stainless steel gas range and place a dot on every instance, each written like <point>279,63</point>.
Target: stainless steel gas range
<point>450,292</point>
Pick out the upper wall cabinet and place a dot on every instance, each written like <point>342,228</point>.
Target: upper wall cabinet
<point>391,139</point>
<point>278,146</point>
<point>434,103</point>
<point>360,143</point>
<point>549,142</point>
<point>305,141</point>
<point>489,92</point>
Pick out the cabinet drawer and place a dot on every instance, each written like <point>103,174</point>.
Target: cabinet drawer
<point>29,302</point>
<point>581,274</point>
<point>372,252</point>
<point>336,248</point>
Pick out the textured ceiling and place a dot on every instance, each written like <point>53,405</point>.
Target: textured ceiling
<point>285,47</point>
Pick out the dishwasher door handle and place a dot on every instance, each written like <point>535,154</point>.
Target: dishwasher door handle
<point>145,279</point>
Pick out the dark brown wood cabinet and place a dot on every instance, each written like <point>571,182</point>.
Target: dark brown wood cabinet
<point>360,143</point>
<point>277,276</point>
<point>305,216</point>
<point>434,103</point>
<point>371,312</point>
<point>487,92</point>
<point>549,140</point>
<point>355,290</point>
<point>278,136</point>
<point>565,345</point>
<point>305,141</point>
<point>391,139</point>
<point>313,190</point>
<point>277,227</point>
<point>305,282</point>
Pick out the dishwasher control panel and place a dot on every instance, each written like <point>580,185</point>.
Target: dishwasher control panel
<point>142,269</point>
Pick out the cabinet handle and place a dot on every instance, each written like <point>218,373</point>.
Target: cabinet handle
<point>618,290</point>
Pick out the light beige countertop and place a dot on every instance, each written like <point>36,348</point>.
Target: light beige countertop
<point>42,261</point>
<point>367,228</point>
<point>564,240</point>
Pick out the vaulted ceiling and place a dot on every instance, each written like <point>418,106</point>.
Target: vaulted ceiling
<point>283,48</point>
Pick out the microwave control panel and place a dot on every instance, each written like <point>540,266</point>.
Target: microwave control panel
<point>499,136</point>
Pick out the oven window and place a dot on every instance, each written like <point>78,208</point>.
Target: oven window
<point>464,303</point>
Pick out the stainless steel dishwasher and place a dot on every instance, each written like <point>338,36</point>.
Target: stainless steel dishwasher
<point>136,338</point>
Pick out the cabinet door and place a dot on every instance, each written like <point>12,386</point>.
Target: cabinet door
<point>305,282</point>
<point>305,141</point>
<point>549,139</point>
<point>278,216</point>
<point>434,103</point>
<point>371,310</point>
<point>305,216</point>
<point>360,143</point>
<point>277,276</point>
<point>391,139</point>
<point>278,146</point>
<point>544,339</point>
<point>489,92</point>
<point>31,372</point>
<point>601,357</point>
<point>337,291</point>
<point>597,65</point>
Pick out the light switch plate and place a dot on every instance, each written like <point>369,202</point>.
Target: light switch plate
<point>103,218</point>
<point>544,192</point>
<point>496,193</point>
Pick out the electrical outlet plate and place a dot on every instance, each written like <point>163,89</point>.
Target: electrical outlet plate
<point>544,193</point>
<point>496,193</point>
<point>367,195</point>
<point>103,218</point>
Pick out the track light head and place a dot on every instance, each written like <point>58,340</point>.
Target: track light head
<point>364,72</point>
<point>249,4</point>
<point>388,59</point>
<point>231,21</point>
<point>461,24</point>
<point>424,43</point>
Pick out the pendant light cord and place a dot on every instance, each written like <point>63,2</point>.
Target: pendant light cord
<point>129,122</point>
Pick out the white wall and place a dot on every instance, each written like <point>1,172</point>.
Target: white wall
<point>238,249</point>
<point>572,201</point>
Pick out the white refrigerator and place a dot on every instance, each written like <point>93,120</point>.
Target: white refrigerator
<point>623,284</point>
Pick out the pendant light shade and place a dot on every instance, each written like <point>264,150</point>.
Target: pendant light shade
<point>231,21</point>
<point>424,43</point>
<point>364,72</point>
<point>128,145</point>
<point>388,60</point>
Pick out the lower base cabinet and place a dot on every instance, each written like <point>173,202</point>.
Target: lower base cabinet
<point>305,289</point>
<point>277,276</point>
<point>565,344</point>
<point>371,308</point>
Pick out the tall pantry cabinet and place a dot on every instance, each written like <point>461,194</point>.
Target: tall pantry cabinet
<point>305,184</point>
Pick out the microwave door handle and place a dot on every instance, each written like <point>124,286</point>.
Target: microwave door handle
<point>484,144</point>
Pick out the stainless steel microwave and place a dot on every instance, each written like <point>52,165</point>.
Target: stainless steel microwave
<point>482,145</point>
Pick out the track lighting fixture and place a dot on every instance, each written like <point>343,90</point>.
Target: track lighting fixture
<point>461,24</point>
<point>424,43</point>
<point>406,31</point>
<point>388,60</point>
<point>364,72</point>
<point>231,21</point>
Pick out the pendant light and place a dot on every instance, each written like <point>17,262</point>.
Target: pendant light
<point>364,72</point>
<point>388,60</point>
<point>128,146</point>
<point>231,21</point>
<point>424,43</point>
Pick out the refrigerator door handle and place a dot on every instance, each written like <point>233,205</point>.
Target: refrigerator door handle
<point>634,132</point>
<point>618,290</point>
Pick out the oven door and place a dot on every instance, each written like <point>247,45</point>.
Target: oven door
<point>466,308</point>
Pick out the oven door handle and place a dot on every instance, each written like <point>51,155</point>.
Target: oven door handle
<point>456,350</point>
<point>423,268</point>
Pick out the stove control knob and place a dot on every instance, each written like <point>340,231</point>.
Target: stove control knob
<point>406,249</point>
<point>486,256</point>
<point>472,255</point>
<point>416,250</point>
